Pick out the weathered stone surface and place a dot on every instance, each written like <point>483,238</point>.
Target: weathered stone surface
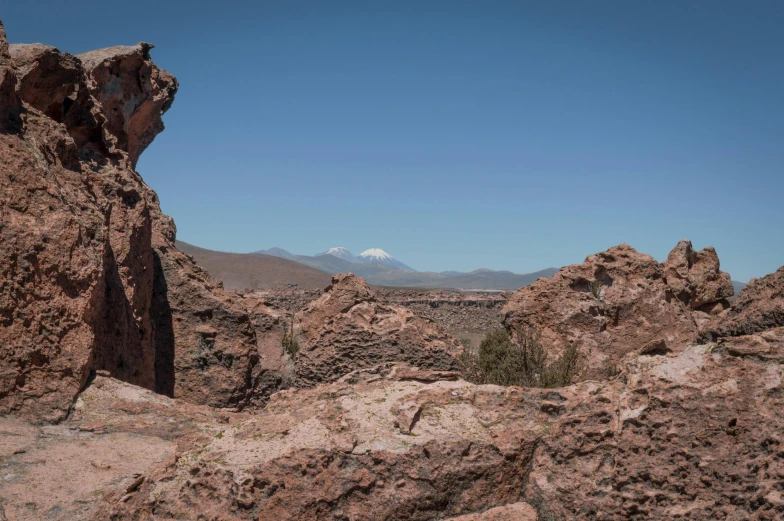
<point>117,433</point>
<point>626,308</point>
<point>515,512</point>
<point>89,277</point>
<point>694,435</point>
<point>618,301</point>
<point>695,277</point>
<point>673,436</point>
<point>347,329</point>
<point>759,306</point>
<point>767,345</point>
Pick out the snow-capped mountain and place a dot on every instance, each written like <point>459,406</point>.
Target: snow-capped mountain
<point>341,253</point>
<point>379,255</point>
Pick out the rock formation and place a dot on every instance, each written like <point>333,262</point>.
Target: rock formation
<point>620,301</point>
<point>695,279</point>
<point>759,306</point>
<point>694,435</point>
<point>89,277</point>
<point>347,329</point>
<point>101,318</point>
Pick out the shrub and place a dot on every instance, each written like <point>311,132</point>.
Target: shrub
<point>290,344</point>
<point>596,289</point>
<point>522,361</point>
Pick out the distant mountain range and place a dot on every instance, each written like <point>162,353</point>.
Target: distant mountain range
<point>381,269</point>
<point>240,271</point>
<point>277,267</point>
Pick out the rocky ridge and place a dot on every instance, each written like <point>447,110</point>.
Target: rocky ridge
<point>619,301</point>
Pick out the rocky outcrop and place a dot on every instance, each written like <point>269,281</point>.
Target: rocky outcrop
<point>695,278</point>
<point>347,329</point>
<point>89,276</point>
<point>620,301</point>
<point>694,435</point>
<point>759,306</point>
<point>766,345</point>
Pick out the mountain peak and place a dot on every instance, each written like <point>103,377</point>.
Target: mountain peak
<point>276,252</point>
<point>375,254</point>
<point>337,249</point>
<point>341,253</point>
<point>380,256</point>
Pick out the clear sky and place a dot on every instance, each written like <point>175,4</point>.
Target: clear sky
<point>457,135</point>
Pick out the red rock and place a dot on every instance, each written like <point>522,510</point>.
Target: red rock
<point>767,345</point>
<point>674,438</point>
<point>759,306</point>
<point>514,512</point>
<point>695,277</point>
<point>618,301</point>
<point>90,276</point>
<point>347,329</point>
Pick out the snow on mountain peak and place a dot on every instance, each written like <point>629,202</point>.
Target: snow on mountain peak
<point>337,250</point>
<point>341,253</point>
<point>376,254</point>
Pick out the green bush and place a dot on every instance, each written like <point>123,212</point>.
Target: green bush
<point>521,361</point>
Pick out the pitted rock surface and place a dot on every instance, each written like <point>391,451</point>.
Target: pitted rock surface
<point>759,306</point>
<point>694,435</point>
<point>621,301</point>
<point>89,276</point>
<point>348,329</point>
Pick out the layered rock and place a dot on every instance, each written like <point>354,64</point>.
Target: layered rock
<point>347,329</point>
<point>620,300</point>
<point>759,306</point>
<point>90,278</point>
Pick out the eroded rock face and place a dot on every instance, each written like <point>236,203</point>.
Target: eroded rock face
<point>696,279</point>
<point>89,276</point>
<point>621,301</point>
<point>347,329</point>
<point>694,435</point>
<point>759,306</point>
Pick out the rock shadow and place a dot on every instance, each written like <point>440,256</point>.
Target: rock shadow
<point>163,339</point>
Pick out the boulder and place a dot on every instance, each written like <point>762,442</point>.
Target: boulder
<point>348,329</point>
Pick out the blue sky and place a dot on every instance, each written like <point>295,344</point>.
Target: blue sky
<point>457,135</point>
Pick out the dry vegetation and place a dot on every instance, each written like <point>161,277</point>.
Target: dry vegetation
<point>520,360</point>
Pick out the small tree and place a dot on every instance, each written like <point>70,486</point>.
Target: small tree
<point>523,361</point>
